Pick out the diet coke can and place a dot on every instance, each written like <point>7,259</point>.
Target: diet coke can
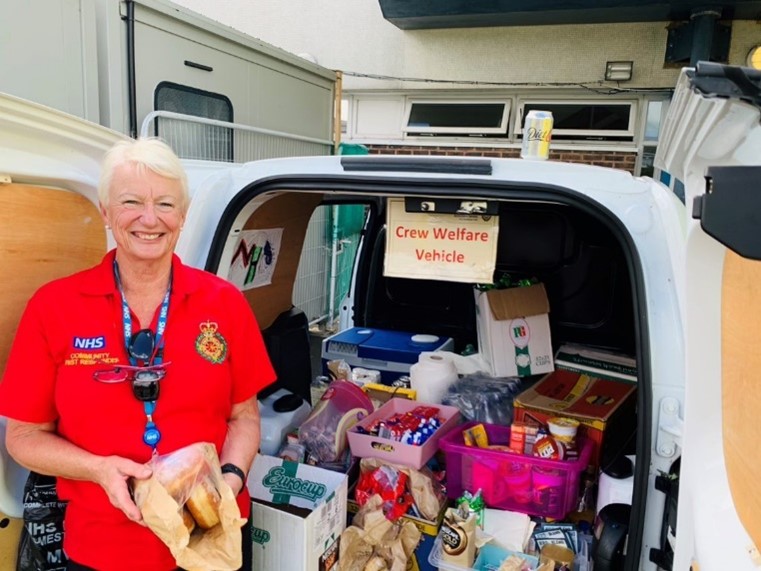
<point>537,132</point>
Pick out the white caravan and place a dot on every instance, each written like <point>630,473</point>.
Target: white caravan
<point>152,67</point>
<point>629,265</point>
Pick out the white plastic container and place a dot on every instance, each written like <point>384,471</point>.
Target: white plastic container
<point>280,413</point>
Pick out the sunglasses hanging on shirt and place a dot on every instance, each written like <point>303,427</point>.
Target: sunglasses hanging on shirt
<point>145,351</point>
<point>145,382</point>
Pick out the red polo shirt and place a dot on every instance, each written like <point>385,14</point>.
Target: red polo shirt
<point>72,327</point>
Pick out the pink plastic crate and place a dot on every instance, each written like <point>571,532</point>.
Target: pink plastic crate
<point>510,481</point>
<point>364,445</point>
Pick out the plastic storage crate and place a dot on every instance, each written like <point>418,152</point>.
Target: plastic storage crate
<point>365,445</point>
<point>510,481</point>
<point>489,558</point>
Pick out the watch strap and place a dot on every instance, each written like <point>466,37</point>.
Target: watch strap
<point>233,469</point>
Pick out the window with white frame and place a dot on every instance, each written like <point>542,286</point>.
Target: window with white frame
<point>584,119</point>
<point>457,117</point>
<point>195,141</point>
<point>655,112</point>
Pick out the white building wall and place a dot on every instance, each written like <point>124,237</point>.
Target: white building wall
<point>352,35</point>
<point>510,63</point>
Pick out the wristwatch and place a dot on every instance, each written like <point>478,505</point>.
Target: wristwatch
<point>233,469</point>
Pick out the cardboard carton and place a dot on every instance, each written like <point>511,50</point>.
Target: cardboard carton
<point>513,330</point>
<point>596,389</point>
<point>298,513</point>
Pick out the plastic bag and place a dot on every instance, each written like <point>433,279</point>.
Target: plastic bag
<point>41,543</point>
<point>212,541</point>
<point>481,398</point>
<point>323,433</point>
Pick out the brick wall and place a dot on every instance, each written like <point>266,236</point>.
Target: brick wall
<point>614,159</point>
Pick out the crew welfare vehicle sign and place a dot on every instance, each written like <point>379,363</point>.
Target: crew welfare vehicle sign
<point>451,247</point>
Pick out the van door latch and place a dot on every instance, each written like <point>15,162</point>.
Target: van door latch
<point>670,427</point>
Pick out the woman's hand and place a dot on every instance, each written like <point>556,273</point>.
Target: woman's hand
<point>113,474</point>
<point>37,447</point>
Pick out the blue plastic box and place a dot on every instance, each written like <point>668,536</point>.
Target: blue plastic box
<point>390,352</point>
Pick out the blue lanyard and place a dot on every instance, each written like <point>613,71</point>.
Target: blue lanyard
<point>157,357</point>
<point>151,434</point>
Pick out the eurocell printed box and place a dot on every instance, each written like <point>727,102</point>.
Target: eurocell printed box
<point>298,513</point>
<point>513,330</point>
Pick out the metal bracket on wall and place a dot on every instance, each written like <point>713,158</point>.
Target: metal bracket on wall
<point>682,36</point>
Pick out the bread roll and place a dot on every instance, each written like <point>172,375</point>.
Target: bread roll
<point>203,504</point>
<point>178,473</point>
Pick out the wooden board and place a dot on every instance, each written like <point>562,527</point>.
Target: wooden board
<point>291,212</point>
<point>741,386</point>
<point>10,533</point>
<point>45,233</point>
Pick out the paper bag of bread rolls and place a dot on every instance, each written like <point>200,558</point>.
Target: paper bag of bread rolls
<point>190,507</point>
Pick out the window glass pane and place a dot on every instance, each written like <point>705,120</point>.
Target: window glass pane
<point>189,101</point>
<point>648,156</point>
<point>653,120</point>
<point>488,115</point>
<point>584,116</point>
<point>344,115</point>
<point>194,140</point>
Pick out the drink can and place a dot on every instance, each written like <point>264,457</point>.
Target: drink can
<point>537,132</point>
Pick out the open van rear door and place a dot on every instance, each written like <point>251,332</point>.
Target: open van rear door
<point>711,144</point>
<point>49,227</point>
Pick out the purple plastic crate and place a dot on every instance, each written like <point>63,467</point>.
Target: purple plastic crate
<point>510,481</point>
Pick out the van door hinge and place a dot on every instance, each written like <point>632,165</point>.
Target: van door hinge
<point>670,426</point>
<point>5,179</point>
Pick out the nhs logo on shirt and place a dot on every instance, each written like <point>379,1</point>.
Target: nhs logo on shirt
<point>90,342</point>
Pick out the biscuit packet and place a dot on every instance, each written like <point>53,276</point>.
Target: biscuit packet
<point>191,477</point>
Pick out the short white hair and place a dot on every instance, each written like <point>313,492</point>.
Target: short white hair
<point>146,152</point>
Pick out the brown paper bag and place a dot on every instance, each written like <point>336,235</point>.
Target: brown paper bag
<point>162,497</point>
<point>373,543</point>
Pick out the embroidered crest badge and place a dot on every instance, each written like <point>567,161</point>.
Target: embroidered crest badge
<point>210,344</point>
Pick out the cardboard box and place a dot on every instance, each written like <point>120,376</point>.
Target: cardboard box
<point>604,407</point>
<point>428,529</point>
<point>298,513</point>
<point>513,330</point>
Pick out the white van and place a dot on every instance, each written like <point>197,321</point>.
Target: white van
<point>628,264</point>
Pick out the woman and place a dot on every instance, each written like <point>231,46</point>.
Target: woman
<point>192,334</point>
